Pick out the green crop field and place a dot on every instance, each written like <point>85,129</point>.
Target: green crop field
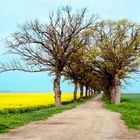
<point>129,108</point>
<point>131,98</point>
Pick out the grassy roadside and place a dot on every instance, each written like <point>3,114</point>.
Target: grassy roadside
<point>10,118</point>
<point>129,109</point>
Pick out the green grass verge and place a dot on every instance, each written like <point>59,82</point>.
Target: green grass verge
<point>10,118</point>
<point>129,109</point>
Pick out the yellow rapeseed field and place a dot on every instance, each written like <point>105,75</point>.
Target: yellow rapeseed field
<point>21,100</point>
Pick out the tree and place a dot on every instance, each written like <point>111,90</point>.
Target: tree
<point>72,70</point>
<point>48,47</point>
<point>79,72</point>
<point>118,43</point>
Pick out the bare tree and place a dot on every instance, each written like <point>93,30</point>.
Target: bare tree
<point>48,47</point>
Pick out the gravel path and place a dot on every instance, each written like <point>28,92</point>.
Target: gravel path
<point>88,121</point>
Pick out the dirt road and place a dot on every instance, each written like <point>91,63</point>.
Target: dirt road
<point>88,121</point>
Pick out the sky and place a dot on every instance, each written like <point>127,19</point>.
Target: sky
<point>17,12</point>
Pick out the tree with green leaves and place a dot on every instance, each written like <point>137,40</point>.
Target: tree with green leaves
<point>118,44</point>
<point>72,71</point>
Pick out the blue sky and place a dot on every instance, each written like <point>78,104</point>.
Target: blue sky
<point>13,12</point>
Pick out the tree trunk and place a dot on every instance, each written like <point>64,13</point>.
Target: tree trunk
<point>95,91</point>
<point>57,90</point>
<point>81,91</point>
<point>89,91</point>
<point>75,92</point>
<point>86,91</point>
<point>92,91</point>
<point>115,90</point>
<point>108,93</point>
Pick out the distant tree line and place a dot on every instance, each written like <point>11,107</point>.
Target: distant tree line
<point>91,53</point>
